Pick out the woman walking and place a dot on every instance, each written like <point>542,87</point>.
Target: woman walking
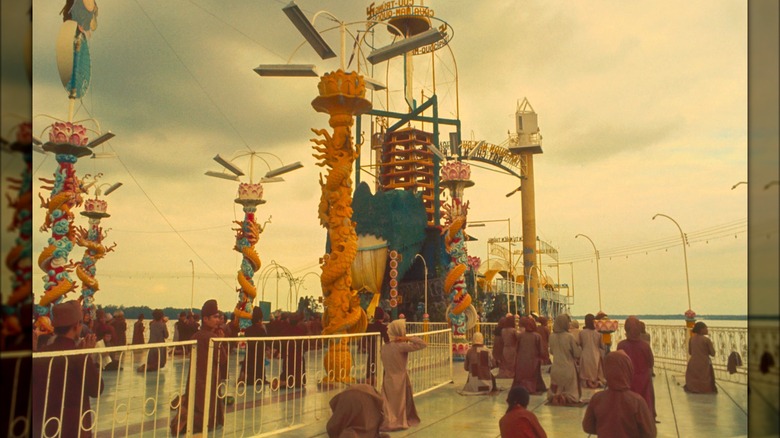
<point>158,333</point>
<point>699,376</point>
<point>400,412</point>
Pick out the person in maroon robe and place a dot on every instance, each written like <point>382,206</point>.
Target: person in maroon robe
<point>519,422</point>
<point>528,366</point>
<point>544,332</point>
<point>216,410</point>
<point>377,326</point>
<point>642,360</point>
<point>64,384</point>
<point>253,365</point>
<point>618,411</point>
<point>293,373</point>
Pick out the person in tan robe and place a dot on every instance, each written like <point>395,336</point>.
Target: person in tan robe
<point>528,368</point>
<point>591,366</point>
<point>699,375</point>
<point>518,422</point>
<point>357,413</point>
<point>478,364</point>
<point>617,411</point>
<point>544,331</point>
<point>399,409</point>
<point>564,383</point>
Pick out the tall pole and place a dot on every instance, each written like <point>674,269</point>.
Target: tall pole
<point>598,275</point>
<point>685,254</point>
<point>192,290</point>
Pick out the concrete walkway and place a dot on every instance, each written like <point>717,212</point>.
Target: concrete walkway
<point>445,413</point>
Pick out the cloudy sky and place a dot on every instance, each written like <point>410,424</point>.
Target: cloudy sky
<point>643,109</point>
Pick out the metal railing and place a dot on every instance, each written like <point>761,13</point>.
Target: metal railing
<point>292,388</point>
<point>15,368</point>
<point>132,401</point>
<point>670,348</point>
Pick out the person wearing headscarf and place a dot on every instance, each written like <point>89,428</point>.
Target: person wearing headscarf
<point>564,383</point>
<point>593,350</point>
<point>120,328</point>
<point>293,374</point>
<point>357,413</point>
<point>699,375</point>
<point>519,422</point>
<point>544,332</point>
<point>478,364</point>
<point>498,342</point>
<point>528,367</point>
<point>372,346</point>
<point>574,329</point>
<point>138,330</point>
<point>506,368</point>
<point>617,411</point>
<point>253,365</point>
<point>158,333</point>
<point>642,360</point>
<point>65,383</point>
<point>399,409</point>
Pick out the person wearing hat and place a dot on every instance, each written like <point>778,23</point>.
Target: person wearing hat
<point>372,347</point>
<point>54,398</point>
<point>253,366</point>
<point>210,319</point>
<point>478,364</point>
<point>519,422</point>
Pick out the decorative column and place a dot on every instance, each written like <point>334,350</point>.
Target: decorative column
<point>342,96</point>
<point>18,257</point>
<point>68,141</point>
<point>690,321</point>
<point>92,241</point>
<point>460,313</point>
<point>250,195</point>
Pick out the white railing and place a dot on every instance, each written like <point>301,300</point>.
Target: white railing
<point>16,373</point>
<point>670,348</point>
<point>132,402</point>
<point>299,387</point>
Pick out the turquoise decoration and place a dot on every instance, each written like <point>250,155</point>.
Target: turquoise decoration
<point>82,68</point>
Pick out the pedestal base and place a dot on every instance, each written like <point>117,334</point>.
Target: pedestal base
<point>338,363</point>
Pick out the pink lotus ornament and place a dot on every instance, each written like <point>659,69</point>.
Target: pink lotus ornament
<point>67,132</point>
<point>690,314</point>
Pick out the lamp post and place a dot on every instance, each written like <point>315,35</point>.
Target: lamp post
<point>598,275</point>
<point>426,317</point>
<point>341,96</point>
<point>685,254</point>
<point>192,289</point>
<point>250,195</point>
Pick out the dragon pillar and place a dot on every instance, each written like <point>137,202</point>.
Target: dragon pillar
<point>68,141</point>
<point>342,96</point>
<point>18,257</point>
<point>247,234</point>
<point>460,313</point>
<point>91,240</point>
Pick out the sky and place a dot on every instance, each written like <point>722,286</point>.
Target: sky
<point>643,110</point>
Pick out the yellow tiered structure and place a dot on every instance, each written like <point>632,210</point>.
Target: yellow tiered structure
<point>342,96</point>
<point>407,164</point>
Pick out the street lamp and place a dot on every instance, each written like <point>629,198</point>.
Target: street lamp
<point>192,291</point>
<point>685,254</point>
<point>425,265</point>
<point>509,243</point>
<point>598,275</point>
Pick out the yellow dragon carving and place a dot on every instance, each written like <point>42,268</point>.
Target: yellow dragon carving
<point>341,96</point>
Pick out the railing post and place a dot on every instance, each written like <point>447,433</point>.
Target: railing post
<point>207,389</point>
<point>191,388</point>
<point>449,343</point>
